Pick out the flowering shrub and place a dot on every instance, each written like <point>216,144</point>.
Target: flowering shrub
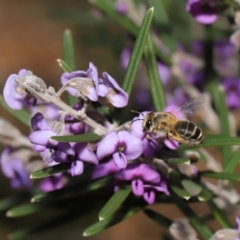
<point>80,149</point>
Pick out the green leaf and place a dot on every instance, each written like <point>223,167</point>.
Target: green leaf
<point>24,210</point>
<point>194,220</point>
<point>46,172</point>
<point>160,16</point>
<point>64,66</point>
<point>233,4</point>
<point>120,215</point>
<point>49,224</point>
<point>214,141</point>
<point>158,93</point>
<point>72,191</point>
<point>128,24</point>
<point>221,175</point>
<point>12,201</point>
<point>69,60</point>
<point>205,195</point>
<point>182,193</point>
<point>137,52</point>
<point>22,115</point>
<point>233,162</point>
<point>115,202</point>
<point>193,188</point>
<point>158,218</point>
<point>68,49</point>
<point>219,215</point>
<point>225,126</point>
<point>181,160</point>
<point>84,138</point>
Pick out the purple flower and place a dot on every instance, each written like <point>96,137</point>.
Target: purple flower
<point>165,73</point>
<point>81,154</point>
<point>51,183</point>
<point>121,7</point>
<point>13,168</point>
<point>145,180</point>
<point>41,137</point>
<point>204,11</point>
<point>121,146</point>
<point>226,58</point>
<point>15,96</point>
<point>115,95</point>
<point>150,190</point>
<point>104,169</point>
<point>232,89</point>
<point>125,57</point>
<point>86,82</point>
<point>89,85</point>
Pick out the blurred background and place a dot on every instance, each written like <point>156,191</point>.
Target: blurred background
<point>31,38</point>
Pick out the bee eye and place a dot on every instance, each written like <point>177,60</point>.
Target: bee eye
<point>148,124</point>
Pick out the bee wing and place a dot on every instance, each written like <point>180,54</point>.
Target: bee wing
<point>190,107</point>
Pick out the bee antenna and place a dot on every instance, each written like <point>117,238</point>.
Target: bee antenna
<point>137,112</point>
<point>135,120</point>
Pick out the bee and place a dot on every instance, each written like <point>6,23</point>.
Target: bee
<point>166,124</point>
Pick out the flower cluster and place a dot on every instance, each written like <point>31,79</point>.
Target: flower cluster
<point>123,150</point>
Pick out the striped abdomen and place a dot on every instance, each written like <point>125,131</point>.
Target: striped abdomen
<point>189,131</point>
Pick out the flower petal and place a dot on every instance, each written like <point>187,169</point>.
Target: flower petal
<point>104,169</point>
<point>137,187</point>
<point>77,168</point>
<point>172,144</point>
<point>41,137</point>
<point>14,96</point>
<point>149,196</point>
<point>85,154</point>
<point>133,145</point>
<point>6,165</point>
<point>120,160</point>
<point>107,145</point>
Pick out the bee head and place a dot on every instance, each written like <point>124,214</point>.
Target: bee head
<point>148,122</point>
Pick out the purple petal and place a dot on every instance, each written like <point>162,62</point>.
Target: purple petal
<point>124,57</point>
<point>85,154</point>
<point>139,171</point>
<point>172,144</point>
<point>39,148</point>
<point>120,97</point>
<point>92,94</point>
<point>148,173</point>
<point>103,90</point>
<point>202,12</point>
<point>60,157</point>
<point>21,173</point>
<point>104,169</point>
<point>6,165</point>
<point>120,160</point>
<point>238,223</point>
<point>137,187</point>
<point>137,125</point>
<point>161,187</point>
<point>66,77</point>
<point>134,146</point>
<point>39,123</point>
<point>13,95</point>
<point>41,137</point>
<point>164,72</point>
<point>51,183</point>
<point>107,145</point>
<point>93,74</point>
<point>65,147</point>
<point>150,146</point>
<point>149,196</point>
<point>77,168</point>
